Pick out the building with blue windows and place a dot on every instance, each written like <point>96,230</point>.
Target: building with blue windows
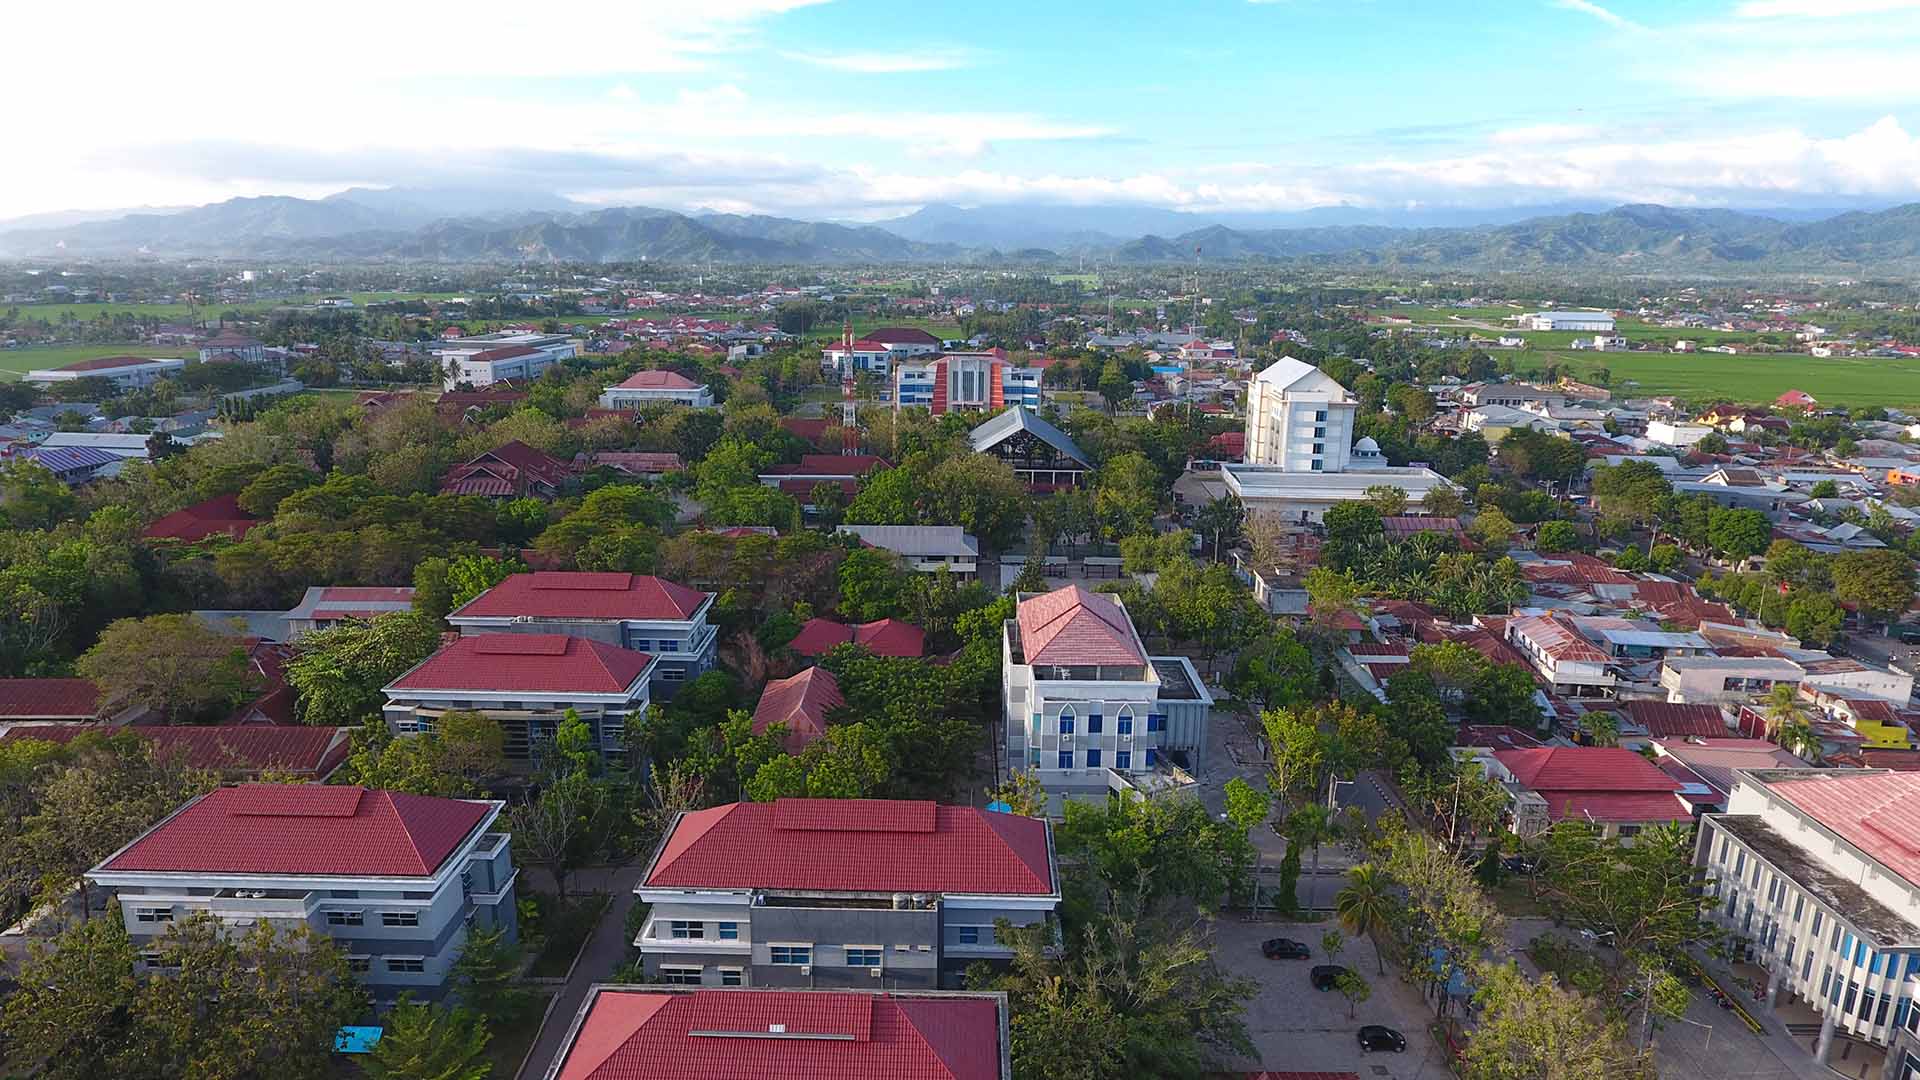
<point>1816,873</point>
<point>1087,710</point>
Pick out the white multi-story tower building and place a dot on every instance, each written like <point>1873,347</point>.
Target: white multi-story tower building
<point>1299,419</point>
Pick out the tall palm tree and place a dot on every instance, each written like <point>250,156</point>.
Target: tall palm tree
<point>1366,905</point>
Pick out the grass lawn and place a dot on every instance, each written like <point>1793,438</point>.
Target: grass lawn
<point>831,331</point>
<point>17,362</point>
<point>566,929</point>
<point>1858,381</point>
<point>55,313</point>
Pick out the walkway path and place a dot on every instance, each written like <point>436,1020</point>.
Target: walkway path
<point>605,950</point>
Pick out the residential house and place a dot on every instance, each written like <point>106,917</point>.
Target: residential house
<point>670,1032</point>
<point>843,471</point>
<point>634,611</point>
<point>841,893</point>
<point>928,549</point>
<point>1087,710</point>
<point>527,683</point>
<point>49,701</point>
<point>648,465</point>
<point>1725,679</point>
<point>71,465</point>
<point>883,637</point>
<point>293,751</point>
<point>218,516</point>
<point>325,606</point>
<point>512,471</point>
<point>800,703</point>
<point>1565,659</point>
<point>396,880</point>
<point>1616,790</point>
<point>650,387</point>
<point>1715,761</point>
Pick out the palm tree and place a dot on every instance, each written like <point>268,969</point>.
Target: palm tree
<point>1366,905</point>
<point>1788,724</point>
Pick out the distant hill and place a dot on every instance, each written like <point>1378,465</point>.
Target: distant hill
<point>509,226</point>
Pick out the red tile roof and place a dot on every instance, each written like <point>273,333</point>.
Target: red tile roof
<point>220,515</point>
<point>1879,813</point>
<point>900,335</point>
<point>48,699</point>
<point>505,470</point>
<point>1071,626</point>
<point>856,845</point>
<point>560,594</point>
<point>887,637</point>
<point>1667,719</point>
<point>1573,569</point>
<point>309,751</point>
<point>1556,639</point>
<point>658,380</point>
<point>801,702</point>
<point>1495,736</point>
<point>1616,806</point>
<point>1608,783</point>
<point>510,662</point>
<point>108,363</point>
<point>669,1034</point>
<point>305,829</point>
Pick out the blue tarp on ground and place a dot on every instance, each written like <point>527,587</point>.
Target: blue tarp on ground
<point>356,1040</point>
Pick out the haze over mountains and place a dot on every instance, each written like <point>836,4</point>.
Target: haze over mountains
<point>474,226</point>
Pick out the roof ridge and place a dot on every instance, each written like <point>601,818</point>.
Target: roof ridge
<point>406,828</point>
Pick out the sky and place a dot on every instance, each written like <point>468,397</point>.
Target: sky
<point>865,109</point>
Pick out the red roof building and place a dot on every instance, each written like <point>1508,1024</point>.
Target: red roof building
<point>564,595</point>
<point>515,470</point>
<point>801,702</point>
<point>218,516</point>
<point>1614,788</point>
<point>306,830</point>
<point>48,699</point>
<point>867,846</point>
<point>1074,627</point>
<point>685,1033</point>
<point>1666,720</point>
<point>527,663</point>
<point>311,753</point>
<point>887,637</point>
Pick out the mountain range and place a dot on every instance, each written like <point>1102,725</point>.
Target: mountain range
<point>483,226</point>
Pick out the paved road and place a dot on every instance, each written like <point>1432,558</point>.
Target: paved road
<point>605,950</point>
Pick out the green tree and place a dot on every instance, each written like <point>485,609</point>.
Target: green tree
<point>1022,793</point>
<point>1646,894</point>
<point>262,496</point>
<point>1543,1031</point>
<point>71,1012</point>
<point>1878,582</point>
<point>1275,669</point>
<point>1366,906</point>
<point>1114,385</point>
<point>1632,490</point>
<point>338,672</point>
<point>1126,495</point>
<point>1355,988</point>
<point>1389,500</point>
<point>559,830</point>
<point>175,665</point>
<point>872,585</point>
<point>430,1042</point>
<point>1492,528</point>
<point>1554,536</point>
<point>31,497</point>
<point>1504,694</point>
<point>1739,535</point>
<point>1350,523</point>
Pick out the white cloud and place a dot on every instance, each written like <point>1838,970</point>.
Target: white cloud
<point>879,63</point>
<point>1820,9</point>
<point>1587,7</point>
<point>622,92</point>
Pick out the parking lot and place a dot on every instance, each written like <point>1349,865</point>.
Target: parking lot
<point>1295,1027</point>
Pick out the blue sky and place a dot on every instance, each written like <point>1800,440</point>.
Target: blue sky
<point>864,109</point>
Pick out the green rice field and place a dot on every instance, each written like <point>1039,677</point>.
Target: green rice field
<point>1751,379</point>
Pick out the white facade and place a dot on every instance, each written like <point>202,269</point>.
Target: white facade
<point>630,397</point>
<point>1668,433</point>
<point>1580,321</point>
<point>1299,419</point>
<point>490,358</point>
<point>1715,680</point>
<point>140,373</point>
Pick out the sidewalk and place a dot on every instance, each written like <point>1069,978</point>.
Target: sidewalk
<point>604,951</point>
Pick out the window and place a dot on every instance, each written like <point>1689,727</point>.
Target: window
<point>399,918</point>
<point>151,959</point>
<point>790,955</point>
<point>1817,916</point>
<point>1094,722</point>
<point>359,965</point>
<point>673,674</point>
<point>1123,760</point>
<point>1740,864</point>
<point>1066,760</point>
<point>680,976</point>
<point>685,930</point>
<point>1723,849</point>
<point>1319,448</point>
<point>1125,723</point>
<point>407,965</point>
<point>1153,757</point>
<point>1320,416</point>
<point>969,935</point>
<point>640,645</point>
<point>1799,905</point>
<point>732,977</point>
<point>153,914</point>
<point>1629,830</point>
<point>729,931</point>
<point>1093,759</point>
<point>864,955</point>
<point>1806,967</point>
<point>1853,992</point>
<point>1318,465</point>
<point>1066,723</point>
<point>1156,722</point>
<point>345,918</point>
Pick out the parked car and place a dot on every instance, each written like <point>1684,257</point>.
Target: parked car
<point>1325,975</point>
<point>1374,1037</point>
<point>1284,949</point>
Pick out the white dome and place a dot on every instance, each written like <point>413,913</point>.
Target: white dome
<point>1366,445</point>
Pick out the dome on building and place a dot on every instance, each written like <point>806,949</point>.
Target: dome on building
<point>1366,445</point>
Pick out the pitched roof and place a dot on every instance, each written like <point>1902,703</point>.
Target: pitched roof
<point>313,751</point>
<point>658,380</point>
<point>1071,626</point>
<point>900,335</point>
<point>48,699</point>
<point>1668,719</point>
<point>510,662</point>
<point>1877,812</point>
<point>108,363</point>
<point>672,1033</point>
<point>1557,769</point>
<point>305,829</point>
<point>999,429</point>
<point>916,540</point>
<point>801,703</point>
<point>886,637</point>
<point>1556,639</point>
<point>856,845</point>
<point>565,594</point>
<point>220,515</point>
<point>351,601</point>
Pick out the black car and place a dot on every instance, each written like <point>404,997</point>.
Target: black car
<point>1325,975</point>
<point>1284,949</point>
<point>1374,1037</point>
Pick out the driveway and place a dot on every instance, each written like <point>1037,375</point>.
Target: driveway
<point>604,951</point>
<point>1298,1028</point>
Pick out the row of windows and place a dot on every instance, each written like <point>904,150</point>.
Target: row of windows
<point>694,930</point>
<point>661,645</point>
<point>1123,724</point>
<point>801,955</point>
<point>689,975</point>
<point>334,918</point>
<point>1096,758</point>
